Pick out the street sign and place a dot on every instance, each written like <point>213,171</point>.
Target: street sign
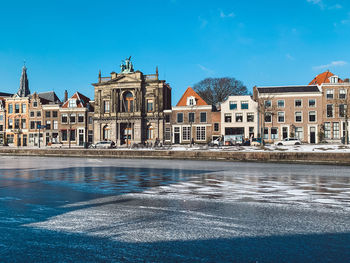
<point>41,126</point>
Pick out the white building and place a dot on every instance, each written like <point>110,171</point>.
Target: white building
<point>239,117</point>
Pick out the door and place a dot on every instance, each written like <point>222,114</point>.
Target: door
<point>176,135</point>
<point>24,140</point>
<point>81,137</point>
<point>312,135</point>
<point>284,132</point>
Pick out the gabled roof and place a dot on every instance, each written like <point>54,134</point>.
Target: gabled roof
<point>323,78</point>
<point>82,101</point>
<point>288,89</point>
<point>49,96</point>
<point>191,93</point>
<point>4,94</point>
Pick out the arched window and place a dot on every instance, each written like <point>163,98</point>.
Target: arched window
<point>128,102</point>
<point>106,133</point>
<point>149,132</point>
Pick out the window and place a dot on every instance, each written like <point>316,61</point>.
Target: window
<point>233,105</point>
<point>47,114</point>
<point>216,126</point>
<point>32,114</point>
<point>191,101</point>
<point>80,117</point>
<point>55,125</point>
<point>342,94</point>
<point>167,134</point>
<point>191,116</point>
<point>244,105</point>
<point>299,133</point>
<point>267,103</point>
<point>342,110</point>
<point>72,135</point>
<point>266,133</point>
<point>274,133</point>
<point>106,106</point>
<point>10,123</point>
<point>90,136</point>
<point>268,117</point>
<point>336,133</point>
<point>10,138</point>
<point>280,103</point>
<point>16,123</point>
<point>298,103</point>
<point>186,133</point>
<point>64,118</point>
<point>280,116</point>
<point>64,135</point>
<point>250,117</point>
<point>90,119</point>
<point>329,110</point>
<point>72,103</point>
<point>54,114</point>
<point>48,125</point>
<point>32,125</point>
<point>72,118</point>
<point>298,116</point>
<point>312,116</point>
<point>38,123</point>
<point>1,117</point>
<point>200,133</point>
<point>23,124</point>
<point>203,117</point>
<point>329,93</point>
<point>16,108</point>
<point>24,108</point>
<point>327,130</point>
<point>228,117</point>
<point>1,127</point>
<point>35,104</point>
<point>180,117</point>
<point>312,103</point>
<point>149,105</point>
<point>149,132</point>
<point>239,117</point>
<point>167,118</point>
<point>38,113</point>
<point>10,108</point>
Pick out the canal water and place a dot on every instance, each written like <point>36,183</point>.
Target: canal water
<point>107,210</point>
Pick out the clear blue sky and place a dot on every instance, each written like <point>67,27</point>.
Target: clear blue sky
<point>276,42</point>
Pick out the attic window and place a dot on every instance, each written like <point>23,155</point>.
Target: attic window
<point>72,103</point>
<point>334,79</point>
<point>191,101</point>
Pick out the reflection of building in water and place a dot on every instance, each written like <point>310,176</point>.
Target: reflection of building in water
<point>129,106</point>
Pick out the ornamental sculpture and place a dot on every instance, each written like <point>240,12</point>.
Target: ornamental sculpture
<point>126,66</point>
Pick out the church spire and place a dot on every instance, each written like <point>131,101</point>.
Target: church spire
<point>23,86</point>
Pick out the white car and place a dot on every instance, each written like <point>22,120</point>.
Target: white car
<point>103,145</point>
<point>288,141</point>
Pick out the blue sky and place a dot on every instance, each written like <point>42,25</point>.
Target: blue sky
<point>277,42</point>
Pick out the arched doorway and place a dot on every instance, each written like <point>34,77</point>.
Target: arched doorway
<point>106,134</point>
<point>128,102</point>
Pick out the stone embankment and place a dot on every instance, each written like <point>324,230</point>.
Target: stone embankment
<point>283,157</point>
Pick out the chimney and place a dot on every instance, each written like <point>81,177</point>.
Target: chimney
<point>65,96</point>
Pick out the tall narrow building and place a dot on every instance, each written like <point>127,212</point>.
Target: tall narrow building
<point>23,86</point>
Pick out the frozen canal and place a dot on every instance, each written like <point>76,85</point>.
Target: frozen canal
<point>92,210</point>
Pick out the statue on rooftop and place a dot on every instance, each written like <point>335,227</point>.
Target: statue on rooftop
<point>126,66</point>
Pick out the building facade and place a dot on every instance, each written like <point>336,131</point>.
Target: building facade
<point>192,120</point>
<point>239,117</point>
<point>129,107</point>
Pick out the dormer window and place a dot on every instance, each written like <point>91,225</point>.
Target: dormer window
<point>191,101</point>
<point>72,103</point>
<point>334,79</point>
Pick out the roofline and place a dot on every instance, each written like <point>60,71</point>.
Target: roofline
<point>287,86</point>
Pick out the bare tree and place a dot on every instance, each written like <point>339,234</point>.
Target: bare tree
<point>214,90</point>
<point>266,110</point>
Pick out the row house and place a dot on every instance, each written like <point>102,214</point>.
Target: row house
<point>239,117</point>
<point>192,120</point>
<point>289,111</point>
<point>75,121</point>
<point>335,100</point>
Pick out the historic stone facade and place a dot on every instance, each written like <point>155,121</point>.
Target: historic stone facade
<point>129,107</point>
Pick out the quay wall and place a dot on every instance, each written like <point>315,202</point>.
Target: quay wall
<point>283,157</point>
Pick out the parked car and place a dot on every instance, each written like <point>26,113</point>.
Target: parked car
<point>216,142</point>
<point>288,141</point>
<point>103,145</point>
<point>257,142</point>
